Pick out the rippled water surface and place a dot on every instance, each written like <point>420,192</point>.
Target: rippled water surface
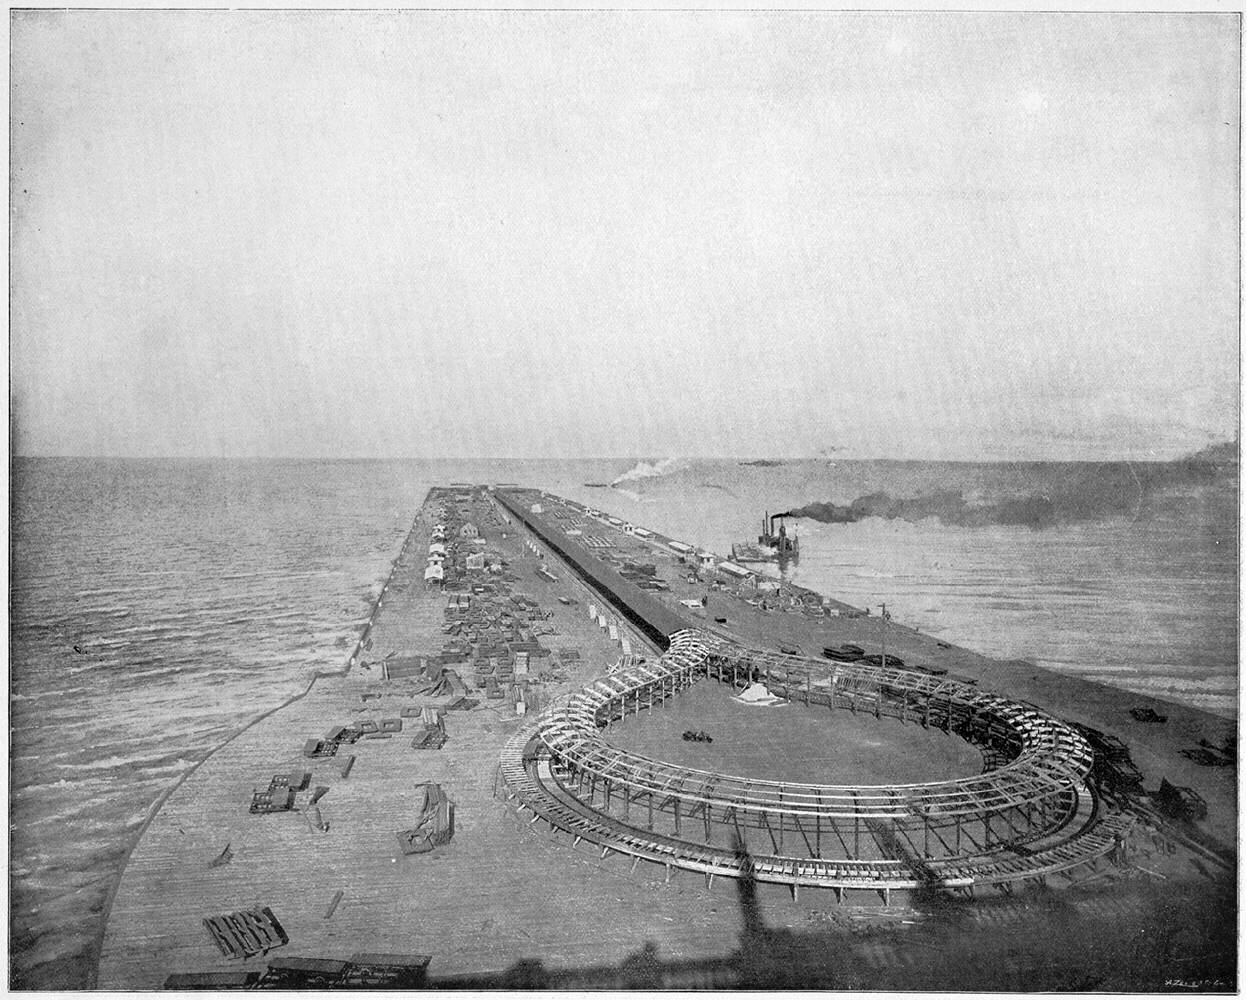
<point>159,605</point>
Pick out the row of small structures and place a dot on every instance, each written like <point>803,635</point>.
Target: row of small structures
<point>1031,814</point>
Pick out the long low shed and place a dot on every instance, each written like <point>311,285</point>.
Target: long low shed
<point>651,617</point>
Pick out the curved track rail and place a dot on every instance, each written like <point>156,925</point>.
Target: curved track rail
<point>1029,815</point>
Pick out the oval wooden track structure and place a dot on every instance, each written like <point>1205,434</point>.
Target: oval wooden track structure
<point>1029,814</point>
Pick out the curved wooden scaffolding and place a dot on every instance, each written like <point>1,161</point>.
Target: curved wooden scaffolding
<point>1029,815</point>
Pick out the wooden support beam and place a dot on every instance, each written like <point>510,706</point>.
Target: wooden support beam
<point>801,830</point>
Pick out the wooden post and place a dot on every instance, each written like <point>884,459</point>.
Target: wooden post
<point>333,904</point>
<point>650,825</point>
<point>741,831</point>
<point>677,817</point>
<point>883,635</point>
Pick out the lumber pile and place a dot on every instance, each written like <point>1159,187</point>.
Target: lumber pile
<point>247,932</point>
<point>431,729</point>
<point>278,797</point>
<point>435,822</point>
<point>364,970</point>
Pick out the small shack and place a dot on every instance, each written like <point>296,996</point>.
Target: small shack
<point>736,571</point>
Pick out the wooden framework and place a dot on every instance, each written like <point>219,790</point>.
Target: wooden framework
<point>1029,814</point>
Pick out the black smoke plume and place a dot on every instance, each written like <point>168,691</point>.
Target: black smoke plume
<point>1076,492</point>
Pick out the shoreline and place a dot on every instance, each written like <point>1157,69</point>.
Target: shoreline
<point>156,806</point>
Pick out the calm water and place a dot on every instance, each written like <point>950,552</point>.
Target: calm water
<point>158,606</point>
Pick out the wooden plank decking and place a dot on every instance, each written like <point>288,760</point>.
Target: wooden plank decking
<point>495,895</point>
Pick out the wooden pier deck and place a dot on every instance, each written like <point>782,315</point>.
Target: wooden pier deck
<point>500,893</point>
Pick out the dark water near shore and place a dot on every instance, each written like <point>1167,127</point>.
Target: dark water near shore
<point>158,606</point>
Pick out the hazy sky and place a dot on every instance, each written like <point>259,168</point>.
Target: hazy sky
<point>531,234</point>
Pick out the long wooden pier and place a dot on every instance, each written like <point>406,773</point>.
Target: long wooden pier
<point>622,825</point>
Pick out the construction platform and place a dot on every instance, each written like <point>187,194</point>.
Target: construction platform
<point>574,861</point>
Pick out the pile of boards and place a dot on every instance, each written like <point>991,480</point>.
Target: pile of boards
<point>432,678</point>
<point>435,823</point>
<point>329,745</point>
<point>431,734</point>
<point>363,970</point>
<point>378,729</point>
<point>246,933</point>
<point>279,797</point>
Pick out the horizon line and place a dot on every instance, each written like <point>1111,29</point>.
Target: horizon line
<point>648,456</point>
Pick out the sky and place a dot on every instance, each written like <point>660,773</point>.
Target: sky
<point>442,234</point>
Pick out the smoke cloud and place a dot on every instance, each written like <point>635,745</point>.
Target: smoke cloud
<point>649,470</point>
<point>1078,492</point>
